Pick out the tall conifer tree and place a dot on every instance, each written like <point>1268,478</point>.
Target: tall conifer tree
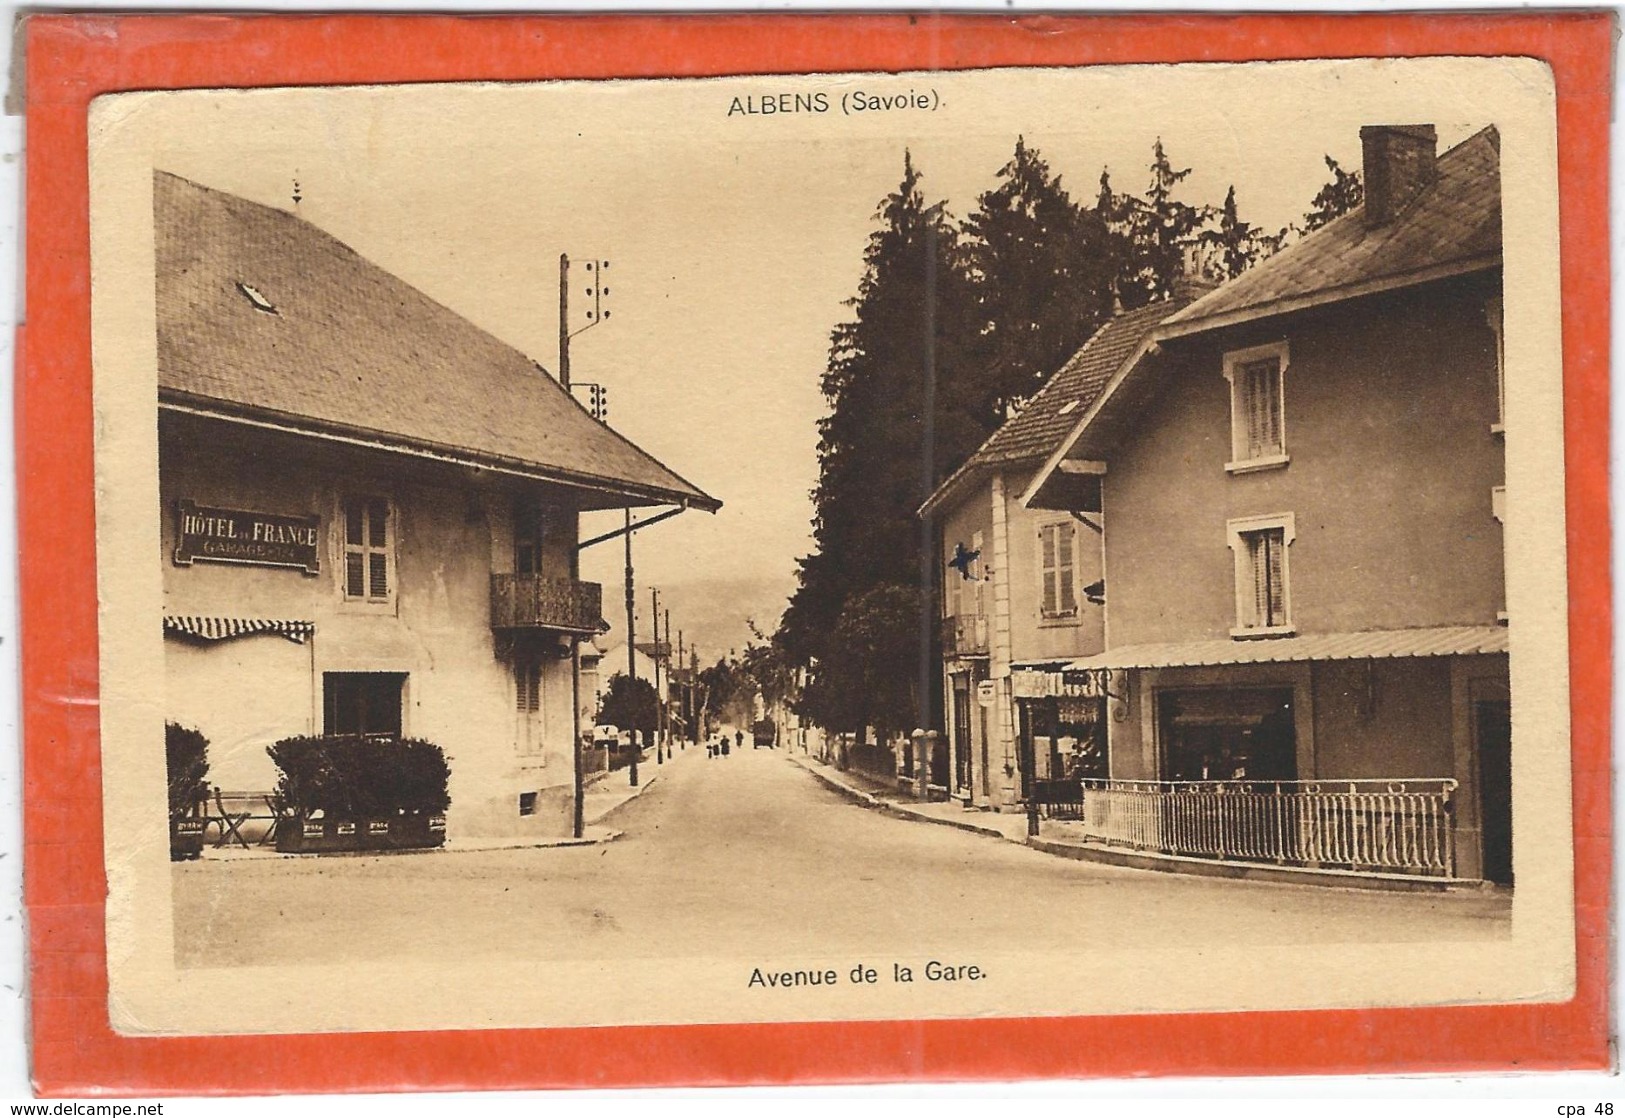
<point>1042,268</point>
<point>878,462</point>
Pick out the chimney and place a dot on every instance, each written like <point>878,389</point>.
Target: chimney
<point>1401,160</point>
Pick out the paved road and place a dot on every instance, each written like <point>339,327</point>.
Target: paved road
<point>750,849</point>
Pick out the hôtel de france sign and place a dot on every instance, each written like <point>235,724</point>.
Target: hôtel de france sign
<point>258,538</point>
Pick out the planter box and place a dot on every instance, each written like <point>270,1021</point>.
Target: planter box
<point>336,836</point>
<point>186,838</point>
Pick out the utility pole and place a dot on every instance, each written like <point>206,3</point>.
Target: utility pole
<point>564,321</point>
<point>631,645</point>
<point>594,317</point>
<point>660,711</point>
<point>665,705</point>
<point>927,552</point>
<point>682,691</point>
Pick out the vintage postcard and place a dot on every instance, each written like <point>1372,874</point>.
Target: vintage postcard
<point>1142,485</point>
<point>957,553</point>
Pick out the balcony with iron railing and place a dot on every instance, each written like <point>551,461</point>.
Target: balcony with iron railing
<point>1364,826</point>
<point>531,602</point>
<point>964,635</point>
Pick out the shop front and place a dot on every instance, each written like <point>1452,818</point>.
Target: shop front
<point>1061,727</point>
<point>1376,753</point>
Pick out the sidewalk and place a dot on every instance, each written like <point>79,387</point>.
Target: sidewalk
<point>602,797</point>
<point>1065,840</point>
<point>611,790</point>
<point>872,793</point>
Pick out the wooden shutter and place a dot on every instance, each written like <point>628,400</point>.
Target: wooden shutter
<point>355,539</point>
<point>1275,562</point>
<point>1258,574</point>
<point>1261,408</point>
<point>1051,597</point>
<point>1266,553</point>
<point>528,685</point>
<point>1065,573</point>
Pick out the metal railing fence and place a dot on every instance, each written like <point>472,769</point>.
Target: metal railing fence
<point>1396,826</point>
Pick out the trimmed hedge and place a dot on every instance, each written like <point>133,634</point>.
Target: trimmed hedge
<point>186,752</point>
<point>352,777</point>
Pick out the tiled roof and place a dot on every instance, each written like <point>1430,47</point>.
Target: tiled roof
<point>1456,221</point>
<point>262,314</point>
<point>1459,640</point>
<point>1031,434</point>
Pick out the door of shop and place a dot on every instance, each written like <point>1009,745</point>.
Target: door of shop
<point>1492,727</point>
<point>961,693</point>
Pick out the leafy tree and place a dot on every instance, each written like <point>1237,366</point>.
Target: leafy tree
<point>630,704</point>
<point>732,684</point>
<point>874,681</point>
<point>1041,272</point>
<point>1343,193</point>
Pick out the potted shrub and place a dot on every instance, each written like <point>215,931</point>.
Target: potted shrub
<point>186,754</point>
<point>346,792</point>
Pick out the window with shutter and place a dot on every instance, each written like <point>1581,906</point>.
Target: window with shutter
<point>1058,570</point>
<point>1260,545</point>
<point>1269,603</point>
<point>528,685</point>
<point>367,561</point>
<point>1066,576</point>
<point>527,678</point>
<point>1257,407</point>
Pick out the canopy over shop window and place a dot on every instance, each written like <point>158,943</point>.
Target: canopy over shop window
<point>225,628</point>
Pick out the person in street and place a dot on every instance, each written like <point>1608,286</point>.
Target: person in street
<point>724,744</point>
<point>739,740</point>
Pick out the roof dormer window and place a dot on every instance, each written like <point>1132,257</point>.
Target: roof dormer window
<point>259,301</point>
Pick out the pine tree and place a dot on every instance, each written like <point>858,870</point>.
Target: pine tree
<point>1343,193</point>
<point>1163,231</point>
<point>876,464</point>
<point>1232,245</point>
<point>1041,271</point>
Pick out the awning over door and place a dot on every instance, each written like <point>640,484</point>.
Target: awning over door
<point>1383,644</point>
<point>225,628</point>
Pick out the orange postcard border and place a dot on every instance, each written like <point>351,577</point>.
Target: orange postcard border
<point>71,59</point>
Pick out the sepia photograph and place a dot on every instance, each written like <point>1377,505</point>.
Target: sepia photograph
<point>850,546</point>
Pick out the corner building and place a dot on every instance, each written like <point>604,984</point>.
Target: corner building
<point>1305,637</point>
<point>370,515</point>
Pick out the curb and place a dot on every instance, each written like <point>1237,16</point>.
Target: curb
<point>1163,863</point>
<point>646,780</point>
<point>267,855</point>
<point>869,799</point>
<point>1233,871</point>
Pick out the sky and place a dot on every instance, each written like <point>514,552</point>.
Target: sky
<point>735,238</point>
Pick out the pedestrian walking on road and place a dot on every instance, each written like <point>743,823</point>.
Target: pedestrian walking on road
<point>739,740</point>
<point>724,745</point>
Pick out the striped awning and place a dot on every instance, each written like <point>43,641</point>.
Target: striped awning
<point>225,628</point>
<point>1382,644</point>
